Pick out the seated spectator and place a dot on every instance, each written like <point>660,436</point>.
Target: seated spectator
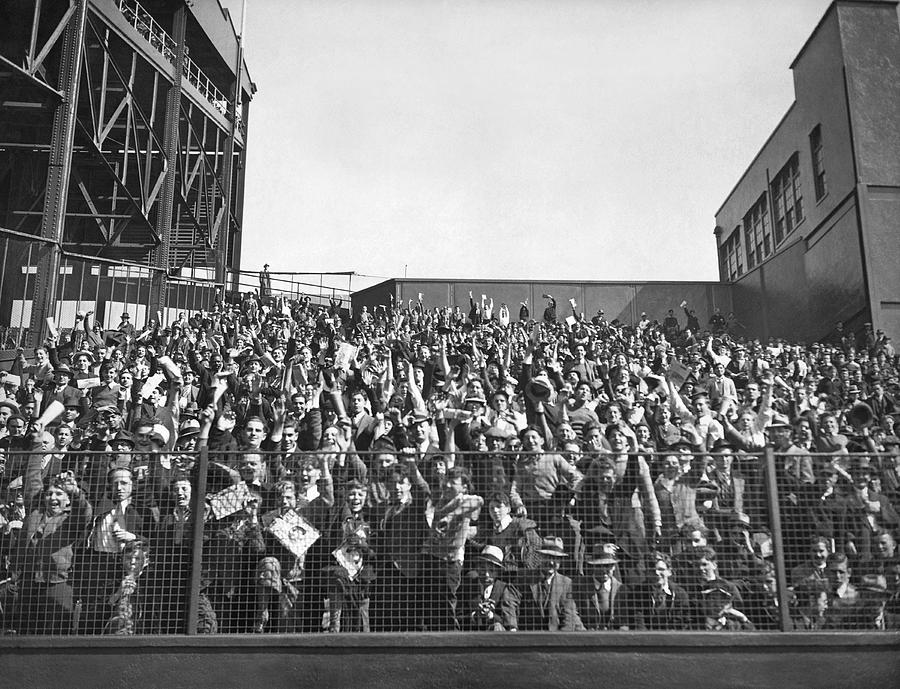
<point>494,603</point>
<point>599,596</point>
<point>810,605</point>
<point>716,601</point>
<point>843,599</point>
<point>659,603</point>
<point>548,602</point>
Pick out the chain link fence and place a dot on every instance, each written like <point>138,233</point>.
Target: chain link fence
<point>137,540</point>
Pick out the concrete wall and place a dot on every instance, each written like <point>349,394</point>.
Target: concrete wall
<point>871,47</point>
<point>619,659</point>
<point>847,81</point>
<point>870,37</point>
<point>834,273</point>
<point>622,300</point>
<point>881,206</point>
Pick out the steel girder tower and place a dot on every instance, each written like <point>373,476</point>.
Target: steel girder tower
<point>123,132</point>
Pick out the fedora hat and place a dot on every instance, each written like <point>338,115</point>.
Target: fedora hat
<point>188,428</point>
<point>492,554</point>
<point>64,369</point>
<point>552,546</point>
<point>539,389</point>
<point>603,554</point>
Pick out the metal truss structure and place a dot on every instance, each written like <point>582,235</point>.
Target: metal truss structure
<point>122,137</point>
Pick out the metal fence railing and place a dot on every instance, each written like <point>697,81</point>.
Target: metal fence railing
<point>142,539</point>
<point>149,28</point>
<point>156,36</point>
<point>105,288</point>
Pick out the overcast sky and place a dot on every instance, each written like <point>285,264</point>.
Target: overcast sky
<point>542,139</point>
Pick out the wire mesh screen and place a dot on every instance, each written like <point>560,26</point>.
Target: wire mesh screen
<point>128,542</point>
<point>839,525</point>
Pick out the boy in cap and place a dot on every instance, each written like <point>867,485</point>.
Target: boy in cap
<point>495,603</point>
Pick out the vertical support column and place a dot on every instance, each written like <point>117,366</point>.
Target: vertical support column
<point>235,239</point>
<point>223,231</point>
<point>777,538</point>
<point>198,502</point>
<point>59,171</point>
<point>171,142</point>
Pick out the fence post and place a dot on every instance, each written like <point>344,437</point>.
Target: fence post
<point>198,502</point>
<point>777,538</point>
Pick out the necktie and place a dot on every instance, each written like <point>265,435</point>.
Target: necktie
<point>603,599</point>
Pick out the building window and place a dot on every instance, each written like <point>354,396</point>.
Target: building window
<point>758,232</point>
<point>818,161</point>
<point>787,199</point>
<point>733,255</point>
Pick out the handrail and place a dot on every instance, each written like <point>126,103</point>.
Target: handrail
<point>156,36</point>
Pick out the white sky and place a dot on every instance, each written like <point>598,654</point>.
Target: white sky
<point>520,139</point>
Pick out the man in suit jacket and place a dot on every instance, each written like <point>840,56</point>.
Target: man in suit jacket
<point>599,595</point>
<point>60,390</point>
<point>548,604</point>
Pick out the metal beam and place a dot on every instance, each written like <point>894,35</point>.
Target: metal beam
<point>165,208</point>
<point>222,234</point>
<point>35,63</point>
<point>31,78</point>
<point>59,171</point>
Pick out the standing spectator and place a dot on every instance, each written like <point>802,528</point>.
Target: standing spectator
<point>443,552</point>
<point>43,551</point>
<point>115,557</point>
<point>537,478</point>
<point>265,284</point>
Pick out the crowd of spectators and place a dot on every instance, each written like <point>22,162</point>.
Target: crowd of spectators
<point>439,469</point>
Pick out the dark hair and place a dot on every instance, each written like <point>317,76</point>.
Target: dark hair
<point>693,525</point>
<point>613,428</point>
<point>658,556</point>
<point>500,498</point>
<point>836,559</point>
<point>401,472</point>
<point>588,427</point>
<point>531,427</point>
<point>815,540</point>
<point>706,553</point>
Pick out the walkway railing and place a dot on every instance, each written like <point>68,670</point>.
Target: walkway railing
<point>151,30</point>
